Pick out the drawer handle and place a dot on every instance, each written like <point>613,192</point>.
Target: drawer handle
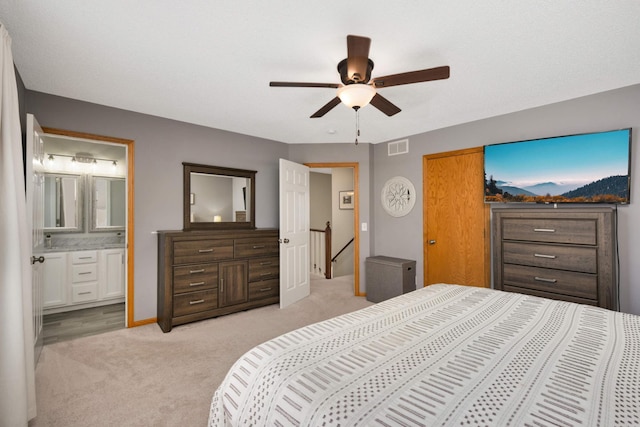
<point>200,301</point>
<point>258,247</point>
<point>196,271</point>
<point>85,257</point>
<point>544,230</point>
<point>84,272</point>
<point>266,263</point>
<point>196,284</point>
<point>203,251</point>
<point>84,293</point>
<point>544,256</point>
<point>265,289</point>
<point>542,279</point>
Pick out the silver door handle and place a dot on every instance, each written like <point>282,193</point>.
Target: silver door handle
<point>432,242</point>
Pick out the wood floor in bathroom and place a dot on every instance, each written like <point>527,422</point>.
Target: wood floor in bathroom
<point>81,323</point>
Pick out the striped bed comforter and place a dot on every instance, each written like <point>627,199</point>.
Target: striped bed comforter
<point>443,355</point>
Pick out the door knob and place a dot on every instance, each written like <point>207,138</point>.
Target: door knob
<point>286,240</point>
<point>283,241</point>
<point>432,242</point>
<point>40,259</point>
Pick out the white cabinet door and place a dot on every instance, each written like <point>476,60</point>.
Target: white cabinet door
<point>111,273</point>
<point>55,279</point>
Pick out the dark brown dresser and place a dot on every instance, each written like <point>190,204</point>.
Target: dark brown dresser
<point>203,274</point>
<point>566,253</point>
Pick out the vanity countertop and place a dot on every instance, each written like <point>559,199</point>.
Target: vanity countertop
<point>84,248</point>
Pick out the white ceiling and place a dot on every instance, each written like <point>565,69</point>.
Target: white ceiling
<point>209,62</point>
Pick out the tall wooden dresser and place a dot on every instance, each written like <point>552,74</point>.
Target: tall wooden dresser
<point>203,274</point>
<point>566,253</point>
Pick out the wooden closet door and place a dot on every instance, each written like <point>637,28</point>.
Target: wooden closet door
<point>456,219</point>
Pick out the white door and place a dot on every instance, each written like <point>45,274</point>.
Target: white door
<point>294,232</point>
<point>35,210</point>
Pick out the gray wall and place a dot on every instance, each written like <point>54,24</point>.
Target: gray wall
<point>320,199</point>
<point>160,147</point>
<point>341,223</point>
<point>605,111</point>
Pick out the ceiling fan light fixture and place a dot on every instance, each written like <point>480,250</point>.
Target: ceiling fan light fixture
<point>356,95</point>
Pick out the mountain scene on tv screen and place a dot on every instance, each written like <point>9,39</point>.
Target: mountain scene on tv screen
<point>612,189</point>
<point>583,168</point>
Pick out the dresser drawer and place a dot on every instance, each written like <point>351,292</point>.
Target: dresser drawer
<point>85,292</point>
<point>550,295</point>
<point>84,273</point>
<point>248,248</point>
<point>556,281</point>
<point>201,251</point>
<point>264,289</point>
<point>583,259</point>
<point>84,257</point>
<point>576,231</point>
<point>264,268</point>
<point>195,277</point>
<point>194,302</point>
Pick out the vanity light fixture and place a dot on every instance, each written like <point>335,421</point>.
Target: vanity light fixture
<point>82,158</point>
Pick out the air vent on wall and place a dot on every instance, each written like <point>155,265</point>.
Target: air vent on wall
<point>398,147</point>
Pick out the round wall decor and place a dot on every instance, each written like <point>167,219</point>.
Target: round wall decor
<point>398,196</point>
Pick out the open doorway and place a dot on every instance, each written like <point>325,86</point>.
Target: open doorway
<point>88,219</point>
<point>344,207</point>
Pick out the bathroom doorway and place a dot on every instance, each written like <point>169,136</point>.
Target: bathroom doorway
<point>89,236</point>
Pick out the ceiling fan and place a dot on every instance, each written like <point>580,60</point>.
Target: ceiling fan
<point>357,88</point>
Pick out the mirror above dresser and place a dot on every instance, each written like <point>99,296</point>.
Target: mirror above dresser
<point>217,197</point>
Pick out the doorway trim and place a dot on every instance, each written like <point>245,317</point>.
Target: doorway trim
<point>130,210</point>
<point>356,217</point>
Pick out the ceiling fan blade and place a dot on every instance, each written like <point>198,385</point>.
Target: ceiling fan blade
<point>384,105</point>
<point>294,84</point>
<point>328,107</point>
<point>358,58</point>
<point>438,73</point>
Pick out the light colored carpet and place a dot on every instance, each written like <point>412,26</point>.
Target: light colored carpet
<point>144,377</point>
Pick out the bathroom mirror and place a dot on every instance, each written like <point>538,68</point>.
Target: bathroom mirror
<point>62,203</point>
<point>218,197</point>
<point>108,203</point>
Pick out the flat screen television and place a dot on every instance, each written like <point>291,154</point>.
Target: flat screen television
<point>584,168</point>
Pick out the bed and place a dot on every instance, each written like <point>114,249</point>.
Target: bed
<point>443,355</point>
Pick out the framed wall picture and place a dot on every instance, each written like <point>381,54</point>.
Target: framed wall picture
<point>346,199</point>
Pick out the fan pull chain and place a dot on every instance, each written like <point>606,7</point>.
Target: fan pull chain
<point>357,124</point>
